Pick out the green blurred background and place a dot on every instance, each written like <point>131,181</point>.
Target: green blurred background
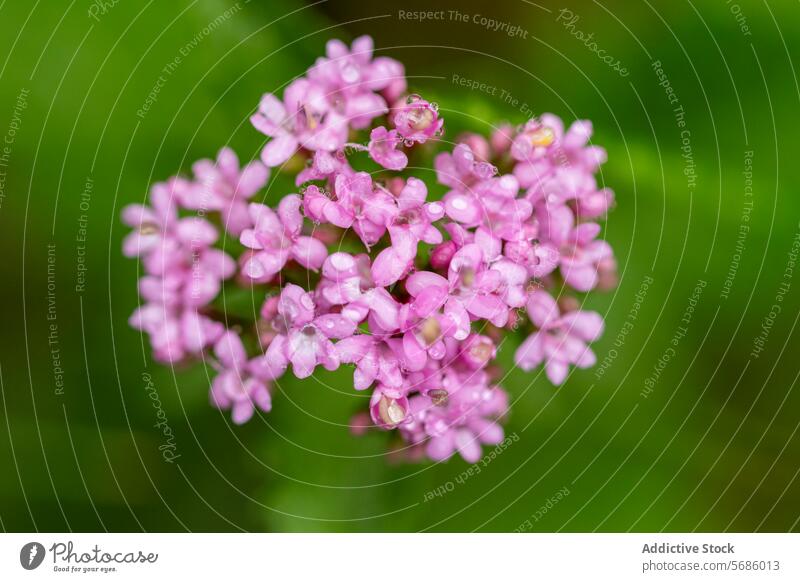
<point>712,447</point>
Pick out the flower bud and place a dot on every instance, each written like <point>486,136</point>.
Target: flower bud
<point>441,255</point>
<point>477,350</point>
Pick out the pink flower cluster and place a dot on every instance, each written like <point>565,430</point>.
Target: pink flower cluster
<point>361,268</point>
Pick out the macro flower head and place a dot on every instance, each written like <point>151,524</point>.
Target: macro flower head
<point>411,280</point>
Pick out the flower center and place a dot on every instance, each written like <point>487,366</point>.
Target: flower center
<point>430,330</point>
<point>543,136</point>
<point>279,324</point>
<point>481,352</point>
<point>420,119</point>
<point>148,228</point>
<point>390,412</point>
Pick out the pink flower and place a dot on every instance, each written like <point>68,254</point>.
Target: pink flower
<point>374,360</point>
<point>442,253</point>
<point>473,287</point>
<point>347,282</point>
<point>582,255</point>
<point>342,67</point>
<point>535,136</point>
<point>477,144</point>
<point>175,334</point>
<point>556,167</point>
<point>303,336</point>
<point>178,249</point>
<point>388,76</point>
<point>152,224</point>
<point>339,92</point>
<point>538,257</point>
<point>502,138</point>
<point>412,224</point>
<point>183,274</point>
<point>388,410</point>
<point>545,137</point>
<point>476,351</point>
<point>358,204</point>
<point>276,238</point>
<point>561,339</point>
<point>378,307</point>
<point>492,203</point>
<point>458,420</point>
<point>424,328</point>
<point>417,120</point>
<point>223,187</point>
<point>414,220</point>
<point>432,292</point>
<point>383,150</point>
<point>304,119</point>
<point>357,69</point>
<point>234,387</point>
<point>595,203</point>
<point>479,196</point>
<point>351,77</point>
<point>461,169</point>
<point>325,166</point>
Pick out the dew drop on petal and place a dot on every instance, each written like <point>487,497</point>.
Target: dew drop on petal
<point>341,261</point>
<point>307,302</point>
<point>459,204</point>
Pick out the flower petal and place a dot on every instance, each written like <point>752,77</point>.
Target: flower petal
<point>542,308</point>
<point>309,252</point>
<point>278,150</point>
